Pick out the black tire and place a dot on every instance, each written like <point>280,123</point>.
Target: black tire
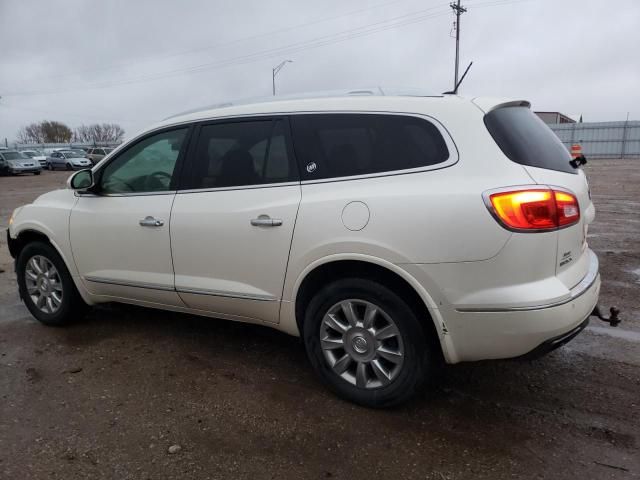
<point>71,308</point>
<point>36,173</point>
<point>50,167</point>
<point>69,167</point>
<point>417,364</point>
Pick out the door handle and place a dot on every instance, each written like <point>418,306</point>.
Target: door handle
<point>266,221</point>
<point>149,221</point>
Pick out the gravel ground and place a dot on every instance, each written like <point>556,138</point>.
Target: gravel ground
<point>135,393</point>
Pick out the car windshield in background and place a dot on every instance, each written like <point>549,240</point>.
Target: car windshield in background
<point>73,153</point>
<point>525,139</point>
<point>14,156</point>
<point>30,154</point>
<point>107,151</point>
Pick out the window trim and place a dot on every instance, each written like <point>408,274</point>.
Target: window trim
<point>190,157</point>
<point>451,147</point>
<point>177,172</point>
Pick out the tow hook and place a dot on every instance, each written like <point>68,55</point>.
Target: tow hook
<point>613,319</point>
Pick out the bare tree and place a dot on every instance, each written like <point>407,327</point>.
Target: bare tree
<point>31,133</point>
<point>99,133</point>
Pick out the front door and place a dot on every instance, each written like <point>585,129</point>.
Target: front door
<point>231,228</point>
<point>120,234</point>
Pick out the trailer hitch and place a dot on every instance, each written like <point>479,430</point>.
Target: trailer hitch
<point>613,319</point>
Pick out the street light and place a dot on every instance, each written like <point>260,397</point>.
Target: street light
<point>274,72</point>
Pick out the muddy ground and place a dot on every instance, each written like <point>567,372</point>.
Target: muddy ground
<point>107,398</point>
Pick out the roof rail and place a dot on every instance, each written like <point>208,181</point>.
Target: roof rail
<point>375,91</point>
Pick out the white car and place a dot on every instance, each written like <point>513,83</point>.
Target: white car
<point>390,232</point>
<point>37,156</point>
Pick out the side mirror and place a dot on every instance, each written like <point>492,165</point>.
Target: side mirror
<point>80,180</point>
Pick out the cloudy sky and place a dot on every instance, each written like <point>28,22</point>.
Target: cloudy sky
<point>135,62</point>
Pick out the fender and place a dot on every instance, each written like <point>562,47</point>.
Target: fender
<point>287,311</point>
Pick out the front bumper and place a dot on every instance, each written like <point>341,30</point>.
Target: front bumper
<point>25,169</point>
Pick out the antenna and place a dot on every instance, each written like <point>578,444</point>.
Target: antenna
<point>455,90</point>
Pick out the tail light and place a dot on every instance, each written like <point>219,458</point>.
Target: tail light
<point>534,209</point>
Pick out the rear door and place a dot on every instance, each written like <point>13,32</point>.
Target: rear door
<point>526,140</point>
<point>233,220</point>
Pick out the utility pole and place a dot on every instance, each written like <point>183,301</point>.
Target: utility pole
<point>459,10</point>
<point>274,72</point>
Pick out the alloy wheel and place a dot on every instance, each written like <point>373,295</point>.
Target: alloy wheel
<point>361,343</point>
<point>44,285</point>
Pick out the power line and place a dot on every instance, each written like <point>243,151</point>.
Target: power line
<point>349,34</point>
<point>181,53</point>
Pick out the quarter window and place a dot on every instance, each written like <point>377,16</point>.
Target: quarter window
<point>241,154</point>
<point>341,145</point>
<point>147,166</point>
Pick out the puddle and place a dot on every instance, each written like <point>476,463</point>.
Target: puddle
<point>616,333</point>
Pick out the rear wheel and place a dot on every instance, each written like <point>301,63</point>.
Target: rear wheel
<point>366,343</point>
<point>46,286</point>
<point>50,166</point>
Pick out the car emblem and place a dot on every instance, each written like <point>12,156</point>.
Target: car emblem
<point>311,167</point>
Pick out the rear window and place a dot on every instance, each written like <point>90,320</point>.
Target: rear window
<point>340,145</point>
<point>525,139</point>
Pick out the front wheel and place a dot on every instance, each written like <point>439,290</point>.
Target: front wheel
<point>36,173</point>
<point>50,167</point>
<point>366,343</point>
<point>69,167</point>
<point>46,286</point>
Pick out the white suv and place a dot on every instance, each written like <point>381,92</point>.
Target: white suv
<point>389,232</point>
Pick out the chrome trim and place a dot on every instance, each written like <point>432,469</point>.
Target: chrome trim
<point>152,286</point>
<point>239,187</point>
<point>585,284</point>
<point>219,293</point>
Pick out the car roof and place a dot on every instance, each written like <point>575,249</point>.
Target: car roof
<point>366,100</point>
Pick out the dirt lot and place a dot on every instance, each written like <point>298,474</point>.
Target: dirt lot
<point>106,398</point>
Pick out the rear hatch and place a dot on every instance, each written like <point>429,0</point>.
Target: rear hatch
<point>525,139</point>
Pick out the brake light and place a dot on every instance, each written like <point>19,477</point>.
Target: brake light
<point>535,209</point>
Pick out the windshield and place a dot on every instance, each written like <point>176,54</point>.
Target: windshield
<point>73,153</point>
<point>29,153</point>
<point>107,151</point>
<point>14,156</point>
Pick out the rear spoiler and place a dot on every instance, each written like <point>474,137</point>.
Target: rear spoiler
<point>487,104</point>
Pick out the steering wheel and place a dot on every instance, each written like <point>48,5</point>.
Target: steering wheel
<point>154,181</point>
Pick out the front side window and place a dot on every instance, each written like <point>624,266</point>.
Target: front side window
<point>241,154</point>
<point>341,145</point>
<point>147,166</point>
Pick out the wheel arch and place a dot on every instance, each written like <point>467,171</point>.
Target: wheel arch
<point>362,266</point>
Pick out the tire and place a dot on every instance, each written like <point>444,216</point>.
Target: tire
<point>404,379</point>
<point>36,173</point>
<point>69,167</point>
<point>70,306</point>
<point>50,167</point>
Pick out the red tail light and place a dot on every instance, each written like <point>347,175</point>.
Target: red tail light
<point>534,209</point>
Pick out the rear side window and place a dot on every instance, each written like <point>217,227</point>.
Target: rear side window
<point>525,139</point>
<point>242,154</point>
<point>341,145</point>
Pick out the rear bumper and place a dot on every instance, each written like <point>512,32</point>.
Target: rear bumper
<point>482,334</point>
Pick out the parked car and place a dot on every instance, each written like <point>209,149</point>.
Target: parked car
<point>390,232</point>
<point>36,155</point>
<point>67,159</point>
<point>13,162</point>
<point>97,154</point>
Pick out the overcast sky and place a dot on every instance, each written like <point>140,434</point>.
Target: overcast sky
<point>135,62</point>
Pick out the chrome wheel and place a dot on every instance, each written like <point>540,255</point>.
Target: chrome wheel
<point>44,284</point>
<point>361,343</point>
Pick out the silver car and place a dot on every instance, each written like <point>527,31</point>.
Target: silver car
<point>13,162</point>
<point>98,153</point>
<point>68,160</point>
